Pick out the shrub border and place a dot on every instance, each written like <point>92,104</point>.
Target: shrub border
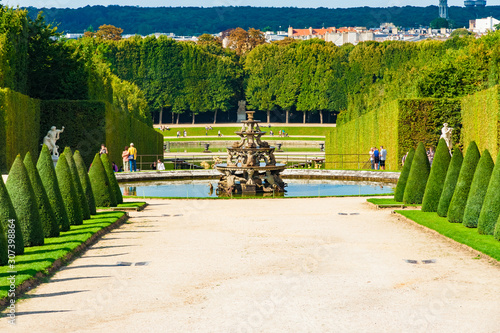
<point>38,278</point>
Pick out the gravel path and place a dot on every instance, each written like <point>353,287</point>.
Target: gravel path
<point>287,265</point>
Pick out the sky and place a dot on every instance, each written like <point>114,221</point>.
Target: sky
<point>213,3</point>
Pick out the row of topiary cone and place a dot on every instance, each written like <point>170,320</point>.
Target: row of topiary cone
<point>38,202</point>
<point>465,190</point>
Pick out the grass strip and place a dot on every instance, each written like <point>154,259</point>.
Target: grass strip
<point>39,261</point>
<point>389,202</point>
<point>457,231</point>
<point>292,130</point>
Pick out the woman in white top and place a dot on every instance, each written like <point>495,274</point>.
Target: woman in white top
<point>160,166</point>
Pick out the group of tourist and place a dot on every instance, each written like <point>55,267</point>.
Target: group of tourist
<point>207,128</point>
<point>158,166</point>
<point>378,157</point>
<point>164,128</point>
<point>184,133</point>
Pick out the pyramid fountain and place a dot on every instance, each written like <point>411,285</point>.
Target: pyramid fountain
<point>251,166</point>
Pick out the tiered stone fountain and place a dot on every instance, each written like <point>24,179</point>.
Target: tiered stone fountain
<point>251,166</point>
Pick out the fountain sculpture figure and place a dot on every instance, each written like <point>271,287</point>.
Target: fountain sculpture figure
<point>251,166</point>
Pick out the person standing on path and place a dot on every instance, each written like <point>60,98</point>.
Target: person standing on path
<point>383,157</point>
<point>185,133</point>
<point>372,160</point>
<point>376,158</point>
<point>132,151</point>
<point>125,159</point>
<point>178,133</point>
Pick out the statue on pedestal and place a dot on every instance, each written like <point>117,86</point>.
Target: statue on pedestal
<point>446,135</point>
<point>51,138</point>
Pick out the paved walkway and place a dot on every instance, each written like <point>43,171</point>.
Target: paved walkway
<point>282,265</point>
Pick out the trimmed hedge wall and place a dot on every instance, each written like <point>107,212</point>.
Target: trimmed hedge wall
<point>376,128</point>
<point>88,124</point>
<point>19,119</point>
<point>398,126</point>
<point>481,120</point>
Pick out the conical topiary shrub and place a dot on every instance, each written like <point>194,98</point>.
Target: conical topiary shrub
<point>112,178</point>
<point>496,232</point>
<point>403,177</point>
<point>478,190</point>
<point>24,202</point>
<point>8,218</point>
<point>490,210</point>
<point>48,176</point>
<point>47,216</point>
<point>85,180</point>
<point>417,179</point>
<point>68,191</point>
<point>437,177</point>
<point>103,194</point>
<point>82,199</point>
<point>4,253</point>
<point>461,193</point>
<point>450,182</point>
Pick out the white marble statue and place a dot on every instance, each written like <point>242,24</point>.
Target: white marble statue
<point>51,138</point>
<point>446,135</point>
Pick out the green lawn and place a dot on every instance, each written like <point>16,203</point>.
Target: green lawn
<point>270,139</point>
<point>198,131</point>
<point>456,231</point>
<point>389,202</point>
<point>40,258</point>
<point>126,205</point>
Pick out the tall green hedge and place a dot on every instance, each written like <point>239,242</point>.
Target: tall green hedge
<point>417,179</point>
<point>461,193</point>
<point>4,254</point>
<point>403,177</point>
<point>47,172</point>
<point>8,213</point>
<point>478,190</point>
<point>82,199</point>
<point>47,216</point>
<point>112,178</point>
<point>398,126</point>
<point>347,146</point>
<point>68,191</point>
<point>435,184</point>
<point>481,119</point>
<point>84,124</point>
<point>490,210</point>
<point>24,202</point>
<point>103,191</point>
<point>19,119</point>
<point>85,180</point>
<point>88,124</point>
<point>450,182</point>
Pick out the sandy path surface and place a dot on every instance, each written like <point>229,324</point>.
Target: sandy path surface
<point>289,265</point>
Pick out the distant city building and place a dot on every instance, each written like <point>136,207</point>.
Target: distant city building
<point>481,26</point>
<point>443,9</point>
<point>475,3</point>
<point>309,33</point>
<point>352,37</point>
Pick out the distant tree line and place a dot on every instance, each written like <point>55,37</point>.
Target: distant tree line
<point>197,21</point>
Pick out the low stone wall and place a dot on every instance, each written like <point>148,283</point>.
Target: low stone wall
<point>289,173</point>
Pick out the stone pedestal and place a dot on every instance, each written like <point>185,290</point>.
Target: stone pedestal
<point>248,189</point>
<point>55,159</point>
